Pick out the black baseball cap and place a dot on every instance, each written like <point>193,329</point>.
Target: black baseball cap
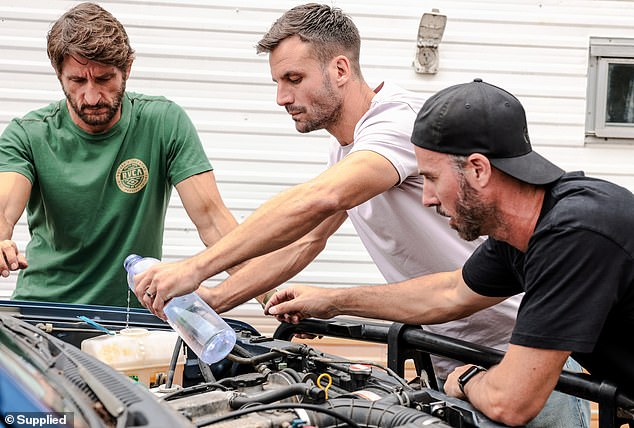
<point>478,117</point>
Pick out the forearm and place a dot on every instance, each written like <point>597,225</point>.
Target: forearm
<point>14,194</point>
<point>486,395</point>
<point>263,274</point>
<point>6,228</point>
<point>223,223</point>
<point>205,207</point>
<point>277,223</point>
<point>293,213</point>
<point>428,299</point>
<point>514,391</point>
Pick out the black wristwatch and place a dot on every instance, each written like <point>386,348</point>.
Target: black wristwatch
<point>467,375</point>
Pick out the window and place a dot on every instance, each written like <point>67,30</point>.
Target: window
<point>610,96</point>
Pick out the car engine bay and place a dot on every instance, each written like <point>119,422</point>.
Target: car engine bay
<point>274,383</point>
<point>264,382</point>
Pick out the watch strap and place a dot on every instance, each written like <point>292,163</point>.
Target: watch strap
<point>468,375</point>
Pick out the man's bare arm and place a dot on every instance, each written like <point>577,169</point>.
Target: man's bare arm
<point>514,391</point>
<point>277,223</point>
<point>428,299</point>
<point>264,273</point>
<point>15,190</point>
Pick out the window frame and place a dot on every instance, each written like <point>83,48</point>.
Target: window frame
<point>603,52</point>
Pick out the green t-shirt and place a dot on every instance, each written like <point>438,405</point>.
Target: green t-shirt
<point>96,198</point>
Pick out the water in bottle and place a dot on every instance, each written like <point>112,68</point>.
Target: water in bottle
<point>202,329</point>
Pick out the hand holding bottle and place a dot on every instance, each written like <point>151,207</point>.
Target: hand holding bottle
<point>204,331</point>
<point>161,282</point>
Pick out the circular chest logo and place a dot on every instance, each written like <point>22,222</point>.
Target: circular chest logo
<point>132,176</point>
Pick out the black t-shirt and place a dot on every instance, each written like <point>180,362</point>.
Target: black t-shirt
<point>577,273</point>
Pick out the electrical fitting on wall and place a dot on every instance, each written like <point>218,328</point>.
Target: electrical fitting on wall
<point>430,31</point>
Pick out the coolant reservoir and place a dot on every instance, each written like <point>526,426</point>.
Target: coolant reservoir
<point>141,354</point>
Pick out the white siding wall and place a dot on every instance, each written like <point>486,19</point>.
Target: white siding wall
<point>201,54</point>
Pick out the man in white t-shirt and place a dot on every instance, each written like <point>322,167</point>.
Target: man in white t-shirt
<point>389,223</point>
<point>372,179</point>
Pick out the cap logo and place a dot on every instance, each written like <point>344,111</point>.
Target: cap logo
<point>526,139</point>
<point>132,176</point>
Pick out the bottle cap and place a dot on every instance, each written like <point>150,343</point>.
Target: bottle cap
<point>130,259</point>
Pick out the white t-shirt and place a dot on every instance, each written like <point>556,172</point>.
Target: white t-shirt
<point>406,239</point>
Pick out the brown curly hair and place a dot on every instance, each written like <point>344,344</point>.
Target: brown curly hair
<point>89,31</point>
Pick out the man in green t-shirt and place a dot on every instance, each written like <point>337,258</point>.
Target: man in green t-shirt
<point>95,171</point>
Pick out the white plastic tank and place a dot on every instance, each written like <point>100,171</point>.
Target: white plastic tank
<point>141,354</point>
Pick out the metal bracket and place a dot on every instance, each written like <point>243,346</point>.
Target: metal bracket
<point>398,352</point>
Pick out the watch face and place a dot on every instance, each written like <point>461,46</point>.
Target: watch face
<point>467,375</point>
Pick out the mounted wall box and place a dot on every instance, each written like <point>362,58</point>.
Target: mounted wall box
<point>430,31</point>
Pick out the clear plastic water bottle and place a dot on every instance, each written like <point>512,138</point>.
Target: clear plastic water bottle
<point>202,329</point>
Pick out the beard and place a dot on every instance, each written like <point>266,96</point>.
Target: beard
<point>472,215</point>
<point>326,110</point>
<point>85,111</point>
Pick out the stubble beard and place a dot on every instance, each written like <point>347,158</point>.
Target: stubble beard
<point>326,110</point>
<point>101,119</point>
<point>472,215</point>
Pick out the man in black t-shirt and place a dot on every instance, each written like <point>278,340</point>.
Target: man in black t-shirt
<point>564,239</point>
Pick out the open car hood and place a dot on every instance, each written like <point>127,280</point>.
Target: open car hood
<point>263,382</point>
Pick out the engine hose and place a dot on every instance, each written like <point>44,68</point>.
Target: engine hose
<point>374,414</point>
<point>241,356</point>
<point>302,389</point>
<point>405,398</point>
<point>292,373</point>
<point>240,351</point>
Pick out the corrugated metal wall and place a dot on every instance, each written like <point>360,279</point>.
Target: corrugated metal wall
<point>201,54</point>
